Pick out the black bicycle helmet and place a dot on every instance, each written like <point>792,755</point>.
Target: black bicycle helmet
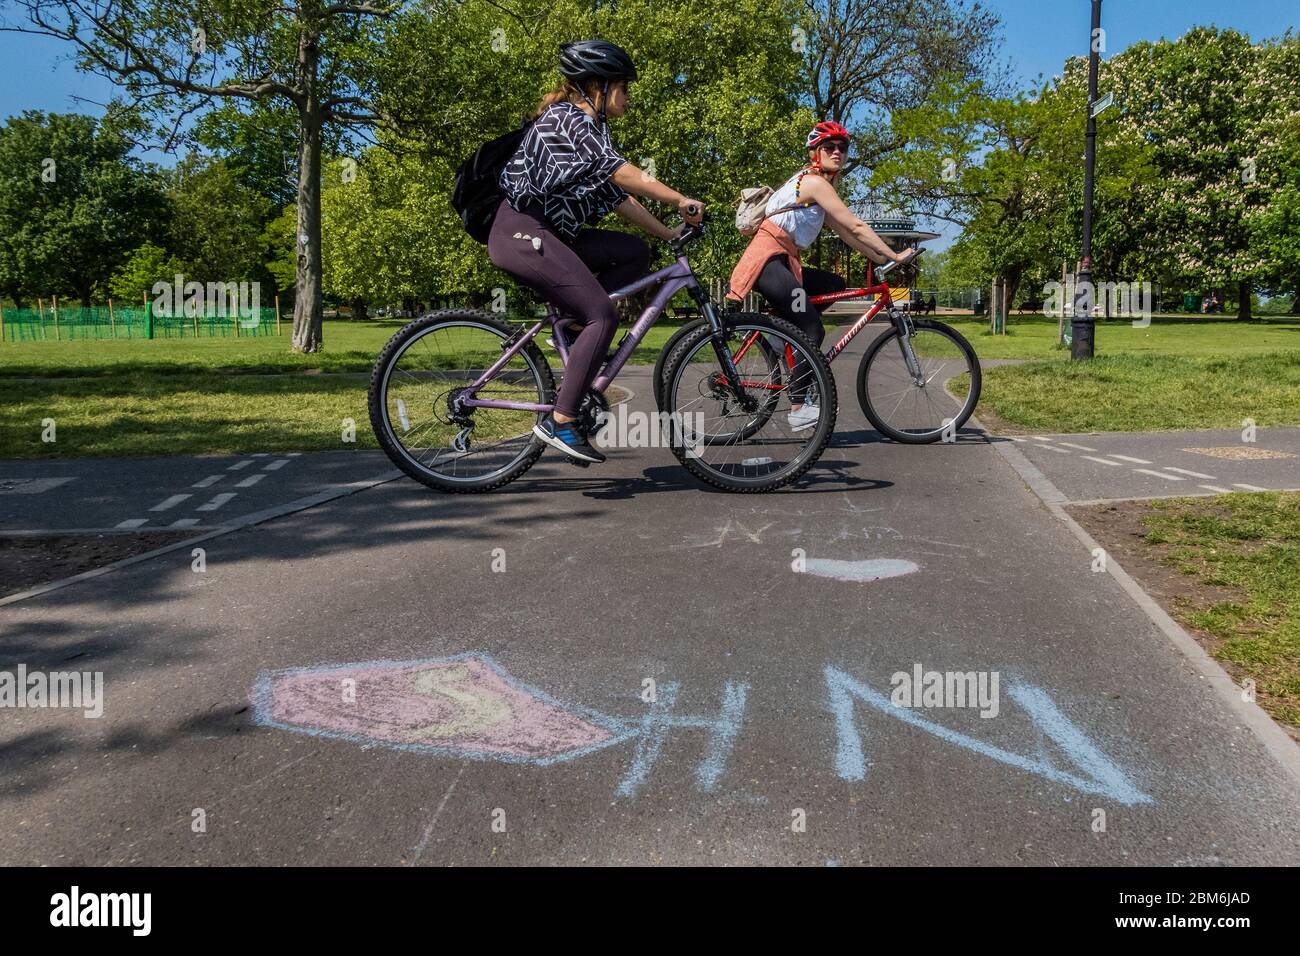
<point>596,58</point>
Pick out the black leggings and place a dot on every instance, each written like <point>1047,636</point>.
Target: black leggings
<point>778,285</point>
<point>577,277</point>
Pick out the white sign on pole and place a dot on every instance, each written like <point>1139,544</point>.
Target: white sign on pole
<point>1101,104</point>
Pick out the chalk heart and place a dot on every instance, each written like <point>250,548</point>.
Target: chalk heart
<point>858,572</point>
<point>466,705</point>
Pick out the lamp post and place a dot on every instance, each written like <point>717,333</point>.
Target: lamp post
<point>1083,326</point>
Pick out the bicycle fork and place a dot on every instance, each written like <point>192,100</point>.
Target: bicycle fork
<point>904,327</point>
<point>719,341</point>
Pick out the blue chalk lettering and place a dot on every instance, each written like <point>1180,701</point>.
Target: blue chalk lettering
<point>1103,776</point>
<point>656,725</point>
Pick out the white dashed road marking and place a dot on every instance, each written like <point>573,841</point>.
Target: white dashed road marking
<point>171,502</point>
<point>1068,444</point>
<point>1104,461</point>
<point>185,523</point>
<point>1238,484</point>
<point>276,465</point>
<point>133,522</point>
<point>216,502</point>
<point>1222,491</point>
<point>250,481</point>
<point>206,482</point>
<point>1159,474</point>
<point>1184,471</point>
<point>1136,461</point>
<point>240,464</point>
<point>1055,449</point>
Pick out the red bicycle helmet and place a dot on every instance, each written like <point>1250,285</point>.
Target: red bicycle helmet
<point>827,130</point>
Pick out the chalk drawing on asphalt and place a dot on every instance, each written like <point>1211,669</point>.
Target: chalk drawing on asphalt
<point>859,572</point>
<point>1097,773</point>
<point>468,706</point>
<point>461,706</point>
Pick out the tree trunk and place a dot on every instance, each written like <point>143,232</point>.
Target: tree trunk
<point>1012,280</point>
<point>1295,301</point>
<point>1243,300</point>
<point>359,310</point>
<point>308,306</point>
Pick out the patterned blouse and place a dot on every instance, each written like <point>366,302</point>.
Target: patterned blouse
<point>566,163</point>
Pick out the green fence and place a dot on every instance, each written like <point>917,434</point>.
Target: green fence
<point>35,325</point>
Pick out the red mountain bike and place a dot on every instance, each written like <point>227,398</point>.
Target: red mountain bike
<point>917,382</point>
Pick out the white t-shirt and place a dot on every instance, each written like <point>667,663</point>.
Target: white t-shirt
<point>803,224</point>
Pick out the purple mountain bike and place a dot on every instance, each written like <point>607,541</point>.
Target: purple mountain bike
<point>455,394</point>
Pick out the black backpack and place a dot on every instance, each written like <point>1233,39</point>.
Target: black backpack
<point>476,195</point>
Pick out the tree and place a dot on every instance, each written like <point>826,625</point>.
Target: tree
<point>215,224</point>
<point>259,145</point>
<point>714,110</point>
<point>72,206</point>
<point>1200,101</point>
<point>866,59</point>
<point>992,165</point>
<point>1275,224</point>
<point>327,60</point>
<point>147,265</point>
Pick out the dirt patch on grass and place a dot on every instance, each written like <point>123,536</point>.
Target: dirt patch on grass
<point>1176,585</point>
<point>29,560</point>
<point>996,425</point>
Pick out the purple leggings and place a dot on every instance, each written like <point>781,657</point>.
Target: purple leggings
<point>577,277</point>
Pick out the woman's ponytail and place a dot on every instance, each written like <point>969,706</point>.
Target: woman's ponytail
<point>566,92</point>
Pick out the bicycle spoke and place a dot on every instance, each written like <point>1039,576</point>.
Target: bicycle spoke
<point>431,430</point>
<point>894,395</point>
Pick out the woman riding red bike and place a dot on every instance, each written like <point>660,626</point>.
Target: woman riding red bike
<point>565,175</point>
<point>796,213</point>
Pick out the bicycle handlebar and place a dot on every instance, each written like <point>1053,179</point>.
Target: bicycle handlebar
<point>690,233</point>
<point>889,266</point>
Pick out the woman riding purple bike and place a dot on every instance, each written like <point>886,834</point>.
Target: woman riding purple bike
<point>565,175</point>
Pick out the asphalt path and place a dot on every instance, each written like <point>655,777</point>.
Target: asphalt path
<point>617,665</point>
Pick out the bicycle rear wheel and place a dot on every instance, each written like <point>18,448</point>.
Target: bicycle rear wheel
<point>414,409</point>
<point>915,404</point>
<point>744,442</point>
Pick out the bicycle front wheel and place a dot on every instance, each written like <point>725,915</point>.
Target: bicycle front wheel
<point>415,413</point>
<point>914,388</point>
<point>742,440</point>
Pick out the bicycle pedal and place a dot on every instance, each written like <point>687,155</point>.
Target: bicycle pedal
<point>577,463</point>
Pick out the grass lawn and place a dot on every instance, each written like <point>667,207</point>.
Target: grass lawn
<point>228,395</point>
<point>1175,374</point>
<point>1229,567</point>
<point>195,396</point>
<point>1034,337</point>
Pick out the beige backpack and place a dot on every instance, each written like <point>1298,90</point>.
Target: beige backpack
<point>750,213</point>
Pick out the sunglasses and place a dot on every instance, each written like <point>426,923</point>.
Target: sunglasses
<point>836,146</point>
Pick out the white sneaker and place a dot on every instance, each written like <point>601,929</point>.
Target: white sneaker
<point>805,416</point>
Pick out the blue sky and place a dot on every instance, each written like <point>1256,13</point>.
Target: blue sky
<point>1037,37</point>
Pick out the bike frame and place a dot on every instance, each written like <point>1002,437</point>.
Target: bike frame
<point>671,279</point>
<point>884,301</point>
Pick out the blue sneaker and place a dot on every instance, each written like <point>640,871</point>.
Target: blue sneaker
<point>567,438</point>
